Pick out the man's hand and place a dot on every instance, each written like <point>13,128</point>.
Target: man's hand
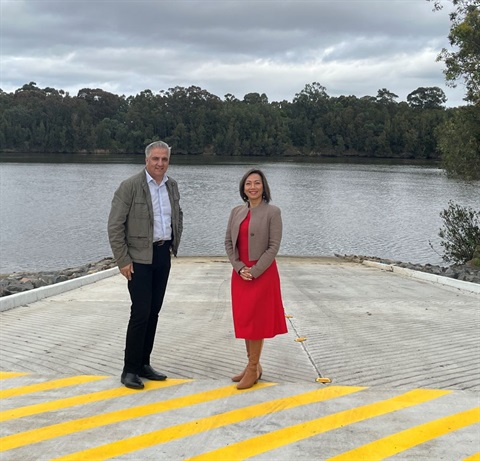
<point>127,271</point>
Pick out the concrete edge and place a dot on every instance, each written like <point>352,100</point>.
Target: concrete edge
<point>448,281</point>
<point>30,296</point>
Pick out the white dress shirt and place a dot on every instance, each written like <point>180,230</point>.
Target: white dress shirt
<point>162,210</point>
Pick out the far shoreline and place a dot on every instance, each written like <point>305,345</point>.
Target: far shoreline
<point>207,158</point>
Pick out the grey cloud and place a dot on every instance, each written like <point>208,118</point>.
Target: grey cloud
<point>256,27</point>
<point>226,46</point>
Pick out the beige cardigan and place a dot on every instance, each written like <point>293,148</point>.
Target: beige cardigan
<point>264,236</point>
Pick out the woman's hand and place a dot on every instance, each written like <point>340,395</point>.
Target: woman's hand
<point>245,273</point>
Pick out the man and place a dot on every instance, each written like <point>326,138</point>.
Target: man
<point>144,228</point>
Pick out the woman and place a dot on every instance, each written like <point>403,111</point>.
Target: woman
<point>252,241</point>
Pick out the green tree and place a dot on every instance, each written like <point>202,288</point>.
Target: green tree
<point>102,104</point>
<point>255,98</point>
<point>427,98</point>
<point>464,61</point>
<point>459,142</point>
<point>307,118</point>
<point>461,153</point>
<point>386,96</point>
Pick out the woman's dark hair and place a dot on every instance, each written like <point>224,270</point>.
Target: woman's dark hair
<point>267,196</point>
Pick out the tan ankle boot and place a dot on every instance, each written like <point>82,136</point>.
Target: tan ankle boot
<point>252,372</point>
<point>238,378</point>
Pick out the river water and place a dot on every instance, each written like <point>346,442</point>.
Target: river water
<point>54,210</point>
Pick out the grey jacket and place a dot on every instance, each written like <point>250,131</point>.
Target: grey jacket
<point>130,223</point>
<point>264,236</point>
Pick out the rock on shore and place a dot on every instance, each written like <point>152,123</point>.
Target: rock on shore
<point>24,281</point>
<point>463,272</point>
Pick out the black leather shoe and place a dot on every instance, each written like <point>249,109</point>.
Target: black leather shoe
<point>132,381</point>
<point>149,373</point>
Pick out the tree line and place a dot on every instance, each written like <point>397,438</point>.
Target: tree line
<point>195,121</point>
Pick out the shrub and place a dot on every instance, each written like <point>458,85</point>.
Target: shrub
<point>460,233</point>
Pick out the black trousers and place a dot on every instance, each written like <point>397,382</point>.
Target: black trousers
<point>147,290</point>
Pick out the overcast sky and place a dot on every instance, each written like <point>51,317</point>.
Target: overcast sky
<point>275,47</point>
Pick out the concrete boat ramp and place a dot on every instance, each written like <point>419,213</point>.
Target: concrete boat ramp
<point>402,352</point>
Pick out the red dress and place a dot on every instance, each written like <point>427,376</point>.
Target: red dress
<point>257,304</point>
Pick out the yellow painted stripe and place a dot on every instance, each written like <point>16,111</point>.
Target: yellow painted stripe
<point>475,457</point>
<point>11,374</point>
<point>401,441</point>
<point>82,424</point>
<point>281,437</point>
<point>168,434</point>
<point>48,385</point>
<point>91,397</point>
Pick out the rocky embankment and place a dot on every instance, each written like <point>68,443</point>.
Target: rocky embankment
<point>463,272</point>
<point>24,281</point>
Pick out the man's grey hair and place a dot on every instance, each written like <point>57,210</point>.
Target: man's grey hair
<point>157,145</point>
